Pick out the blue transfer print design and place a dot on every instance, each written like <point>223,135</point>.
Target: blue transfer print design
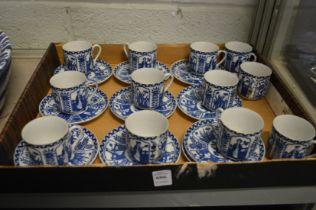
<point>234,59</point>
<point>138,60</point>
<point>181,72</point>
<point>121,104</point>
<point>201,62</point>
<point>79,61</point>
<point>113,149</point>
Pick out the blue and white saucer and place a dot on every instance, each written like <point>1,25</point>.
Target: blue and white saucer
<point>102,71</point>
<point>121,71</point>
<point>121,104</point>
<point>113,150</point>
<point>199,143</point>
<point>83,150</point>
<point>180,70</point>
<point>48,106</point>
<point>190,102</point>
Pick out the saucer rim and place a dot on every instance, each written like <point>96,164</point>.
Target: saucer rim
<point>128,87</point>
<point>45,99</point>
<point>123,127</point>
<point>191,87</point>
<point>186,135</point>
<point>100,61</point>
<point>126,61</point>
<point>181,80</point>
<point>86,130</point>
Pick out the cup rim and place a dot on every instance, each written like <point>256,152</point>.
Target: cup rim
<point>246,114</point>
<point>134,46</point>
<point>215,78</point>
<point>238,47</point>
<point>141,76</point>
<point>39,124</point>
<point>77,46</point>
<point>291,130</point>
<point>256,69</point>
<point>205,47</point>
<point>61,80</point>
<point>133,128</point>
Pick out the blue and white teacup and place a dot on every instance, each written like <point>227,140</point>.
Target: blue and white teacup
<point>203,57</point>
<point>254,80</point>
<point>237,53</point>
<point>70,91</point>
<point>220,89</point>
<point>291,137</point>
<point>78,56</point>
<point>148,87</point>
<point>239,131</point>
<point>141,54</point>
<point>146,135</point>
<point>48,140</point>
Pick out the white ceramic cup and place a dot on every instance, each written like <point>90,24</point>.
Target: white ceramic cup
<point>146,135</point>
<point>239,131</point>
<point>220,88</point>
<point>254,80</point>
<point>78,55</point>
<point>148,87</point>
<point>141,54</point>
<point>70,91</point>
<point>47,140</point>
<point>291,137</point>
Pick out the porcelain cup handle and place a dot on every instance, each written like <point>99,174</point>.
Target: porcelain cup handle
<point>223,59</point>
<point>168,75</point>
<point>81,136</point>
<point>99,52</point>
<point>125,48</point>
<point>253,56</point>
<point>90,95</point>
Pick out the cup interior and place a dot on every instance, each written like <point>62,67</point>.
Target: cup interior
<point>256,69</point>
<point>147,123</point>
<point>204,47</point>
<point>238,46</point>
<point>67,79</point>
<point>44,130</point>
<point>148,76</point>
<point>294,127</point>
<point>221,78</point>
<point>75,46</point>
<point>142,46</point>
<point>242,120</point>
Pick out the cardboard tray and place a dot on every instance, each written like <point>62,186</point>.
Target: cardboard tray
<point>100,178</point>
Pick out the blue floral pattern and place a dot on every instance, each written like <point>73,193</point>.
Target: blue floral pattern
<point>98,104</point>
<point>83,151</point>
<point>190,102</point>
<point>122,72</point>
<point>101,72</point>
<point>180,70</point>
<point>113,149</point>
<point>121,104</point>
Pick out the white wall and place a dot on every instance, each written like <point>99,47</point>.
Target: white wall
<point>33,24</point>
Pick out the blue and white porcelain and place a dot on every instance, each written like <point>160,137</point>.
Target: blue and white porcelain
<point>203,57</point>
<point>239,133</point>
<point>122,72</point>
<point>237,53</point>
<point>69,90</point>
<point>181,70</point>
<point>200,143</point>
<point>101,72</point>
<point>113,149</point>
<point>189,102</point>
<point>146,135</point>
<point>83,150</point>
<point>291,137</point>
<point>121,104</point>
<point>141,54</point>
<point>78,56</point>
<point>98,104</point>
<point>254,80</point>
<point>219,89</point>
<point>148,87</point>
